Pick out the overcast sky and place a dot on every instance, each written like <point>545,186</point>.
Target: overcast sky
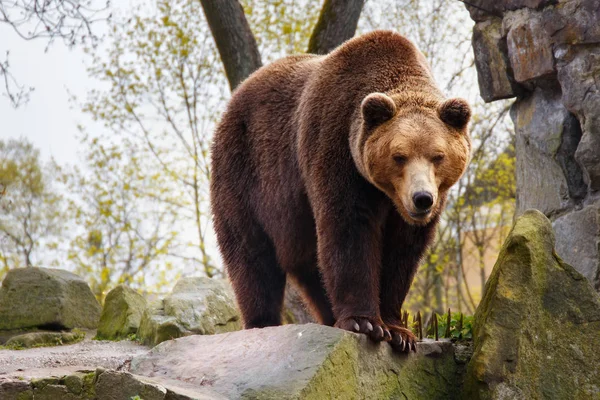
<point>50,119</point>
<point>47,120</point>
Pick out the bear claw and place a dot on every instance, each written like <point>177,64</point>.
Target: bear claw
<point>403,340</point>
<point>369,326</point>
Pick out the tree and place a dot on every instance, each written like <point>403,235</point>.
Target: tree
<point>163,92</point>
<point>239,52</point>
<point>120,237</point>
<point>69,20</point>
<point>234,39</point>
<point>337,23</point>
<point>32,212</point>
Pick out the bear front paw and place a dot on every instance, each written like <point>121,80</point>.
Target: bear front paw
<point>372,327</point>
<point>403,340</point>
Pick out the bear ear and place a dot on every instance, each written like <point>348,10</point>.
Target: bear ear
<point>377,108</point>
<point>455,112</point>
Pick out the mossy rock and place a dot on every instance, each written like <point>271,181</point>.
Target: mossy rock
<point>121,314</point>
<point>537,329</point>
<point>46,298</point>
<point>196,306</point>
<point>305,362</point>
<point>44,339</point>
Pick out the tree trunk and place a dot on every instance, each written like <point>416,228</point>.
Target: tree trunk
<point>337,23</point>
<point>234,39</point>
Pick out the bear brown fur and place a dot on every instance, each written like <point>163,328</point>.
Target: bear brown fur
<point>332,171</point>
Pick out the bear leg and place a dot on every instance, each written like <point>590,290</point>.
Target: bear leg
<point>403,247</point>
<point>256,277</point>
<point>349,247</point>
<point>308,280</point>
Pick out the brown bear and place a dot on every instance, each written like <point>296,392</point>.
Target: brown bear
<point>332,171</point>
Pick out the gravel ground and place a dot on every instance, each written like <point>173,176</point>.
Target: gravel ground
<point>87,353</point>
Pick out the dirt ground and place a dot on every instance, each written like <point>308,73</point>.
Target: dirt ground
<point>87,353</point>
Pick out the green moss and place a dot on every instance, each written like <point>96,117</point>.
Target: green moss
<point>337,376</point>
<point>43,339</point>
<point>74,384</point>
<point>26,395</point>
<point>88,390</point>
<point>538,319</point>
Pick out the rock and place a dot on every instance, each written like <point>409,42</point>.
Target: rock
<point>112,385</point>
<point>46,298</point>
<point>539,124</point>
<point>577,238</point>
<point>121,314</point>
<point>11,389</point>
<point>529,48</point>
<point>573,22</point>
<point>196,306</point>
<point>302,362</point>
<point>538,319</point>
<point>579,73</point>
<point>565,156</point>
<point>491,60</point>
<point>41,339</point>
<point>482,10</point>
<point>101,384</point>
<point>294,309</point>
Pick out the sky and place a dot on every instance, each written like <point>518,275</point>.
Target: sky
<point>48,119</point>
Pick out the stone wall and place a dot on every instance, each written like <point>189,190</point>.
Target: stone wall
<point>547,54</point>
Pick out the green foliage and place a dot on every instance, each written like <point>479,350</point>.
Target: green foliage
<point>164,84</point>
<point>32,213</point>
<point>456,326</point>
<point>122,237</point>
<point>458,329</point>
<point>281,27</point>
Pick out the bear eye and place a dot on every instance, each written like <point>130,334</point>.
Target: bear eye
<point>438,159</point>
<point>399,159</point>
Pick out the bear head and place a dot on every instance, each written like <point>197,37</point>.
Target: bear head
<point>413,150</point>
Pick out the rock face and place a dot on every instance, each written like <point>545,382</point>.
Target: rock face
<point>121,314</point>
<point>52,298</point>
<point>548,54</point>
<point>196,306</point>
<point>83,384</point>
<point>304,362</point>
<point>537,329</point>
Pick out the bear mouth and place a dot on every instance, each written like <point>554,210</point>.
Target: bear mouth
<point>420,214</point>
<point>419,218</point>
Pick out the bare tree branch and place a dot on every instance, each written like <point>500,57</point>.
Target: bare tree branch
<point>69,20</point>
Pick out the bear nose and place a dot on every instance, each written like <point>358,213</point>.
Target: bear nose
<point>423,200</point>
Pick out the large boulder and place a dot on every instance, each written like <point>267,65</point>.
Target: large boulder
<point>537,329</point>
<point>304,362</point>
<point>46,298</point>
<point>196,306</point>
<point>121,314</point>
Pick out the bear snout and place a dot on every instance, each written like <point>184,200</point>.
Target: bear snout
<point>422,201</point>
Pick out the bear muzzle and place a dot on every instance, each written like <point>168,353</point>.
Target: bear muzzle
<point>422,201</point>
